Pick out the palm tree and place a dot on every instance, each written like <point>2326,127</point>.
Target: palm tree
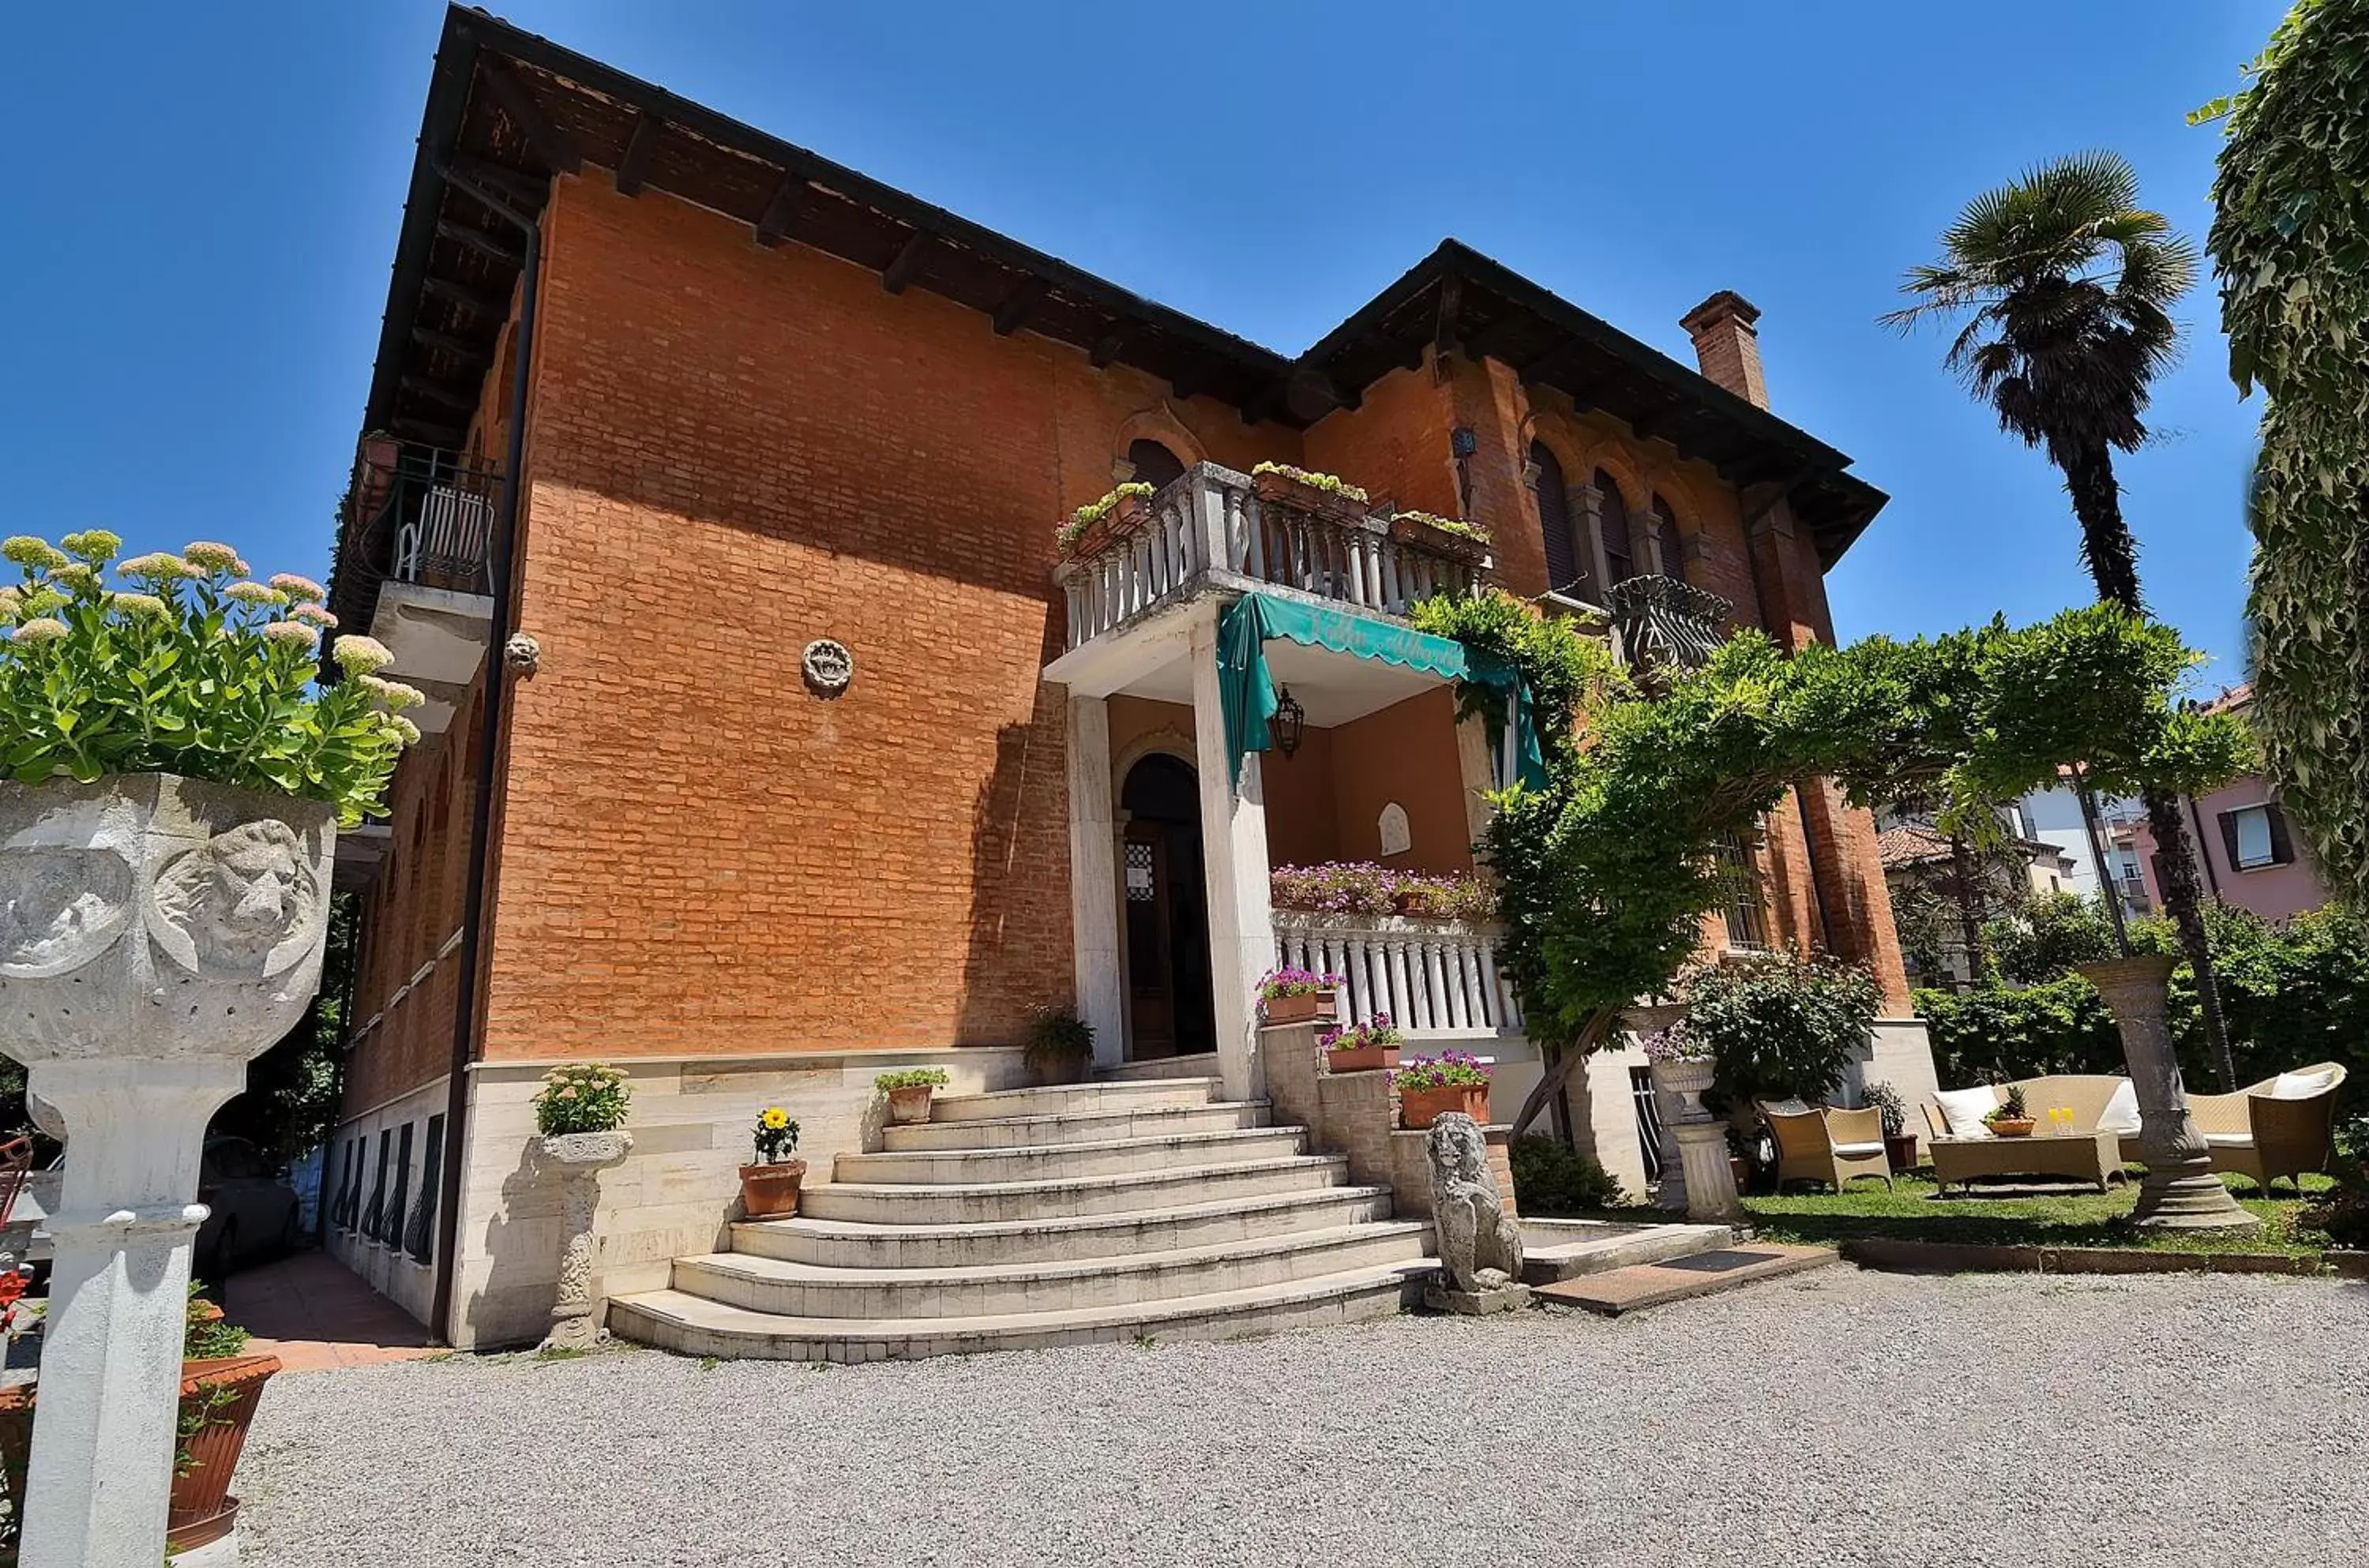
<point>2067,285</point>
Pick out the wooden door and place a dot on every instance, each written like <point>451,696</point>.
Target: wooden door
<point>1152,1000</point>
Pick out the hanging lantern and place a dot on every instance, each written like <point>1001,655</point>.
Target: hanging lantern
<point>1289,719</point>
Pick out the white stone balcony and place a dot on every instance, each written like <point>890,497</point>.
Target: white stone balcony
<point>1433,977</point>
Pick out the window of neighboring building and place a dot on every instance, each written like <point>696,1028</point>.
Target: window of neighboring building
<point>1668,549</point>
<point>1568,554</point>
<point>1154,464</point>
<point>1619,552</point>
<point>2256,836</point>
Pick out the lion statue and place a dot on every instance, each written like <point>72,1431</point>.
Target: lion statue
<point>241,896</point>
<point>1480,1246</point>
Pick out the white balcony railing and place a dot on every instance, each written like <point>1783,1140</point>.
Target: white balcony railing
<point>1432,976</point>
<point>1212,523</point>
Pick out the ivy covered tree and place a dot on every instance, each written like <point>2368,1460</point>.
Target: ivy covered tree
<point>2067,286</point>
<point>2290,240</point>
<point>1609,871</point>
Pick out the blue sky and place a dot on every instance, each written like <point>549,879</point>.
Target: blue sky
<point>204,211</point>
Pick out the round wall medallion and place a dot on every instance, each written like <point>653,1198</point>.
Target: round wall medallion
<point>829,667</point>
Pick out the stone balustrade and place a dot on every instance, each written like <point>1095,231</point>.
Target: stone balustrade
<point>1433,977</point>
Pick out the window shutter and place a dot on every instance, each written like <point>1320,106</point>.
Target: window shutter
<point>2228,820</point>
<point>2282,846</point>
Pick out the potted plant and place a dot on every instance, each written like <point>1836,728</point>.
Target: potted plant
<point>1681,1062</point>
<point>1059,1047</point>
<point>908,1089</point>
<point>1091,525</point>
<point>1899,1143</point>
<point>1444,535</point>
<point>1290,995</point>
<point>769,1188</point>
<point>1323,495</point>
<point>221,1386</point>
<point>1361,1047</point>
<point>1430,1087</point>
<point>2011,1119</point>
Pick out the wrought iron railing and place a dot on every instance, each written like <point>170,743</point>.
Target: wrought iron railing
<point>425,518</point>
<point>1211,527</point>
<point>1662,622</point>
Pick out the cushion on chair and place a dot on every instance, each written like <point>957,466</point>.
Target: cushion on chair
<point>2302,1085</point>
<point>1964,1110</point>
<point>2120,1116</point>
<point>1858,1151</point>
<point>2230,1140</point>
<point>1794,1107</point>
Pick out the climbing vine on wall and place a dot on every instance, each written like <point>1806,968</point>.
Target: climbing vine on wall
<point>2291,242</point>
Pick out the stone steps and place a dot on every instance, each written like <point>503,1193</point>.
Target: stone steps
<point>841,1244</point>
<point>1039,1132</point>
<point>692,1325</point>
<point>1075,1099</point>
<point>1703,1273</point>
<point>902,1203</point>
<point>1056,1162</point>
<point>797,1290</point>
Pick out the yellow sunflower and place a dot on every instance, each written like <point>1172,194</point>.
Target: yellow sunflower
<point>775,1118</point>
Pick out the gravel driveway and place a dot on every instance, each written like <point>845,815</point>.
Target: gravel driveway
<point>1841,1418</point>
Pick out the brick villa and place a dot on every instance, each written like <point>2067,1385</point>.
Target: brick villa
<point>737,474</point>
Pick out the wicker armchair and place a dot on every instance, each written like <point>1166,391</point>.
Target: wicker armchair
<point>1827,1145</point>
<point>2253,1133</point>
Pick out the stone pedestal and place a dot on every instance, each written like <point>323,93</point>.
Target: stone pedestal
<point>2181,1191</point>
<point>1710,1179</point>
<point>155,934</point>
<point>1509,1297</point>
<point>580,1158</point>
<point>1674,1104</point>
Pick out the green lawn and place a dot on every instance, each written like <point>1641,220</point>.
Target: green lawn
<point>1915,1210</point>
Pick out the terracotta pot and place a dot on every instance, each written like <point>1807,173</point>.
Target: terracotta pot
<point>1281,489</point>
<point>1421,1108</point>
<point>220,1393</point>
<point>771,1192</point>
<point>1363,1058</point>
<point>1317,1006</point>
<point>2013,1127</point>
<point>1438,541</point>
<point>910,1105</point>
<point>1900,1152</point>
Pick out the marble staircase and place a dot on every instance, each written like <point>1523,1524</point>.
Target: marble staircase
<point>1121,1209</point>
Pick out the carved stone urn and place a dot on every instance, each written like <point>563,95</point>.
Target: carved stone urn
<point>2181,1191</point>
<point>580,1158</point>
<point>1678,1086</point>
<point>156,932</point>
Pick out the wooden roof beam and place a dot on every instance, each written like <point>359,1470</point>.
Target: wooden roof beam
<point>436,392</point>
<point>527,189</point>
<point>1013,312</point>
<point>633,169</point>
<point>481,242</point>
<point>466,352</point>
<point>478,302</point>
<point>1107,347</point>
<point>780,214</point>
<point>548,142</point>
<point>900,271</point>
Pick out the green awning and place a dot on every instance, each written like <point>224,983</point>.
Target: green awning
<point>1247,692</point>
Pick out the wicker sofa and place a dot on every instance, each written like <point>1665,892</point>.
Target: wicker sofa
<point>2079,1148</point>
<point>2283,1126</point>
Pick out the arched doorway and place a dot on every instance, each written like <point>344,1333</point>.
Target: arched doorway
<point>1166,916</point>
<point>1154,464</point>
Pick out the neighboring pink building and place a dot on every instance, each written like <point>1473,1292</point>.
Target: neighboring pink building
<point>2248,856</point>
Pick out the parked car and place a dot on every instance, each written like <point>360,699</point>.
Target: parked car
<point>254,1211</point>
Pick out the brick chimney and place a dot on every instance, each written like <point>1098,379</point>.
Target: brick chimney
<point>1727,345</point>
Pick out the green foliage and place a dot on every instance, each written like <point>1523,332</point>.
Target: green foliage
<point>2047,934</point>
<point>1366,887</point>
<point>581,1097</point>
<point>1607,874</point>
<point>2290,241</point>
<point>1061,1046</point>
<point>1066,537</point>
<point>1331,483</point>
<point>1887,1103</point>
<point>1551,1178</point>
<point>2342,1216</point>
<point>911,1078</point>
<point>1457,526</point>
<point>205,1334</point>
<point>2294,991</point>
<point>1780,1027</point>
<point>1448,1069</point>
<point>199,672</point>
<point>1992,1032</point>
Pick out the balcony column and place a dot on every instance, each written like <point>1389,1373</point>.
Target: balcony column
<point>1233,852</point>
<point>1093,879</point>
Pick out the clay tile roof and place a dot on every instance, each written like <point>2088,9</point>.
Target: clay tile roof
<point>1910,846</point>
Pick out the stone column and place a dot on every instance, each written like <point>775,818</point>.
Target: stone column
<point>162,933</point>
<point>1233,852</point>
<point>580,1158</point>
<point>2181,1192</point>
<point>1093,880</point>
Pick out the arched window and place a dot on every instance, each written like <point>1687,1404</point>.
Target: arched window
<point>1666,543</point>
<point>1154,464</point>
<point>1566,553</point>
<point>1620,554</point>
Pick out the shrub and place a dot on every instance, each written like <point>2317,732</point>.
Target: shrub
<point>1886,1102</point>
<point>2343,1214</point>
<point>193,669</point>
<point>1992,1034</point>
<point>1552,1177</point>
<point>581,1097</point>
<point>2047,936</point>
<point>1059,1045</point>
<point>1781,1027</point>
<point>206,1335</point>
<point>911,1078</point>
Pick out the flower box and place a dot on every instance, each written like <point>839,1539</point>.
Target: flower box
<point>1308,1007</point>
<point>1361,1059</point>
<point>1440,536</point>
<point>1421,1108</point>
<point>1283,488</point>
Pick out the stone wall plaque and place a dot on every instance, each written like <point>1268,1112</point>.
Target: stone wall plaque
<point>1397,837</point>
<point>828,667</point>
